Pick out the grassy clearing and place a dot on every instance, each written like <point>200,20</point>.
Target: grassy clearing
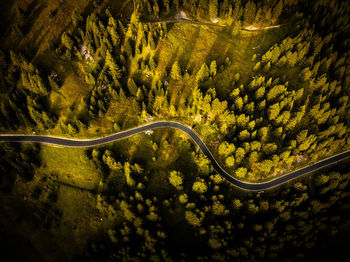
<point>69,95</point>
<point>67,165</point>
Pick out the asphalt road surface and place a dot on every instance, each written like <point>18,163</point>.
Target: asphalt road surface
<point>190,132</point>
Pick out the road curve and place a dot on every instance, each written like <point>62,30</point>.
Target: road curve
<point>182,20</point>
<point>194,136</point>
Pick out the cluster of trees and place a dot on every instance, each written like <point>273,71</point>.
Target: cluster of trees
<point>95,44</point>
<point>232,11</point>
<point>320,122</point>
<point>108,53</point>
<point>205,218</point>
<point>266,125</point>
<point>197,215</point>
<point>216,221</point>
<point>291,108</point>
<point>24,94</point>
<point>260,120</point>
<point>276,121</point>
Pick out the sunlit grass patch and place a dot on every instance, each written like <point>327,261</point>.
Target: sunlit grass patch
<point>69,167</point>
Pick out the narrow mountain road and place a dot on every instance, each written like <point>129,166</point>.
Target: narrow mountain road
<point>181,17</point>
<point>253,28</point>
<point>183,20</point>
<point>194,136</point>
<point>188,21</point>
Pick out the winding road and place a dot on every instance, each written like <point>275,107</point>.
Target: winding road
<point>181,17</point>
<point>194,136</point>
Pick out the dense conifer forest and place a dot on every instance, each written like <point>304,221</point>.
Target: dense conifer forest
<point>265,84</point>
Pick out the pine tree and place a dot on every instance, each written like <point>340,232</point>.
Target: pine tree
<point>199,187</point>
<point>213,9</point>
<point>239,155</point>
<point>276,12</point>
<point>127,172</point>
<point>166,4</point>
<point>242,120</point>
<point>152,64</point>
<point>235,92</point>
<point>292,58</point>
<point>274,111</point>
<point>262,105</point>
<point>244,135</point>
<point>226,149</point>
<point>192,219</point>
<point>150,40</point>
<point>239,103</point>
<point>112,30</point>
<point>257,66</point>
<point>175,71</point>
<point>230,161</point>
<point>269,148</point>
<point>265,166</point>
<point>183,198</point>
<point>241,172</point>
<point>90,80</point>
<point>114,70</point>
<point>276,91</point>
<point>203,73</point>
<point>249,12</point>
<point>176,178</point>
<point>139,95</point>
<point>132,87</point>
<point>267,67</point>
<point>263,133</point>
<point>67,41</point>
<point>140,37</point>
<point>237,203</point>
<point>260,92</point>
<point>213,68</point>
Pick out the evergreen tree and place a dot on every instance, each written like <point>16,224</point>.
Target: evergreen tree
<point>175,178</point>
<point>213,9</point>
<point>175,71</point>
<point>257,66</point>
<point>275,92</point>
<point>203,73</point>
<point>67,41</point>
<point>132,87</point>
<point>260,92</point>
<point>274,111</point>
<point>230,161</point>
<point>114,70</point>
<point>241,172</point>
<point>276,12</point>
<point>226,149</point>
<point>249,12</point>
<point>199,187</point>
<point>193,219</point>
<point>213,68</point>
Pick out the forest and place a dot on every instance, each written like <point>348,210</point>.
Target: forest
<point>265,84</point>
